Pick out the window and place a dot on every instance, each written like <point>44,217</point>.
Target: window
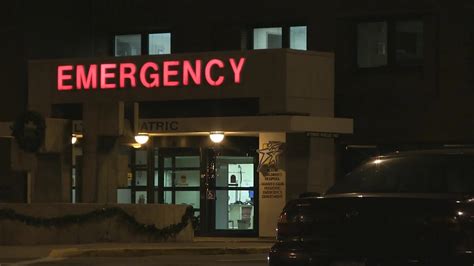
<point>293,37</point>
<point>409,42</point>
<point>127,45</point>
<point>267,38</point>
<point>137,44</point>
<point>372,44</point>
<point>179,177</point>
<point>159,43</point>
<point>298,38</point>
<point>382,43</point>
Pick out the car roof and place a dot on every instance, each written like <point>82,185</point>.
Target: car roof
<point>433,152</point>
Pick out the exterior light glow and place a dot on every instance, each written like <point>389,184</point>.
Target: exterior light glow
<point>73,139</point>
<point>378,161</point>
<point>141,138</point>
<point>216,137</point>
<point>136,145</point>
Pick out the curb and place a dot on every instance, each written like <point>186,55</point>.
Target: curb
<point>143,252</point>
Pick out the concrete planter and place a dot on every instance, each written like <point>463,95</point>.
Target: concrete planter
<point>106,230</point>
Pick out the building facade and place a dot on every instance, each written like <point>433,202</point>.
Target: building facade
<point>302,92</point>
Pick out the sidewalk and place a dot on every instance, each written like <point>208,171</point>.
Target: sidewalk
<point>200,246</point>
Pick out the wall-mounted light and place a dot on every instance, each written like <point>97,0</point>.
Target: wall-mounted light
<point>142,138</point>
<point>73,139</point>
<point>216,136</point>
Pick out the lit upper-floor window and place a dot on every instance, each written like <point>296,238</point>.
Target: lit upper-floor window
<point>138,44</point>
<point>293,37</point>
<point>267,38</point>
<point>159,43</point>
<point>383,43</point>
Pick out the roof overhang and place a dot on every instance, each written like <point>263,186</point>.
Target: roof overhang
<point>246,125</point>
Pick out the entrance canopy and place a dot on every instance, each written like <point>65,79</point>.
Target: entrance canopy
<point>246,124</point>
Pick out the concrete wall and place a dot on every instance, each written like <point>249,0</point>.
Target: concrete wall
<point>310,92</point>
<point>48,170</point>
<point>107,230</point>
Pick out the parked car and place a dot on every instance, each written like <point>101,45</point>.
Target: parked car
<point>407,208</point>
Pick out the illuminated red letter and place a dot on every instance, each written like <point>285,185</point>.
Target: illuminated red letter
<point>237,68</point>
<point>194,73</point>
<point>154,77</point>
<point>127,71</point>
<point>209,66</point>
<point>104,75</point>
<point>86,82</point>
<point>62,77</point>
<point>167,73</point>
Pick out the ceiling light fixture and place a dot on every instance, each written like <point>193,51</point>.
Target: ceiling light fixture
<point>142,138</point>
<point>216,136</point>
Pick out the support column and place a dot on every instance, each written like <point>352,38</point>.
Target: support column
<point>103,124</point>
<point>90,123</point>
<point>272,181</point>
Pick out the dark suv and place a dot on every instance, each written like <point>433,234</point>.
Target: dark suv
<point>408,208</point>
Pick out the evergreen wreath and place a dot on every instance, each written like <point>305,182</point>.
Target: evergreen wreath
<point>29,131</point>
<point>101,214</point>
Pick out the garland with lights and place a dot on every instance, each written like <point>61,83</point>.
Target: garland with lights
<point>29,131</point>
<point>101,214</point>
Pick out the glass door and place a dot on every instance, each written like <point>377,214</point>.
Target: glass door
<point>235,205</point>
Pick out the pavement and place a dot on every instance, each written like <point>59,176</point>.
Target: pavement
<point>200,246</point>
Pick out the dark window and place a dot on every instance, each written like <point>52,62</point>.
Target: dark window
<point>409,42</point>
<point>391,42</point>
<point>127,45</point>
<point>372,44</point>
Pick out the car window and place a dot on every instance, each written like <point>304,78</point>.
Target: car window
<point>411,174</point>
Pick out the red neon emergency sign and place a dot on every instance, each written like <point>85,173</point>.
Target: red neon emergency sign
<point>171,73</point>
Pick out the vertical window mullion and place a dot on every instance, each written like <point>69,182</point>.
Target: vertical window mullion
<point>144,48</point>
<point>150,173</point>
<point>285,43</point>
<point>173,179</point>
<point>132,182</point>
